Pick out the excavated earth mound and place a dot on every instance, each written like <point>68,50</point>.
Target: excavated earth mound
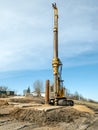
<point>53,117</point>
<point>3,102</point>
<point>28,100</point>
<point>43,117</point>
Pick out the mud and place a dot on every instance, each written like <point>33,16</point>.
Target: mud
<point>30,118</point>
<point>51,118</point>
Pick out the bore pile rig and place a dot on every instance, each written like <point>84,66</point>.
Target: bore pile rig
<point>58,90</point>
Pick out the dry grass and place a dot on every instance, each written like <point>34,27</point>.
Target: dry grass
<point>3,102</point>
<point>93,106</point>
<point>83,108</point>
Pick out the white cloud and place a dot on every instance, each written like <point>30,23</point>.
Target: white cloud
<point>26,38</point>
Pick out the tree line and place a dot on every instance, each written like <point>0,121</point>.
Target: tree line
<point>38,88</point>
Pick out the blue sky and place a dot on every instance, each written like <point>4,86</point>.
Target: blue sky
<point>26,44</point>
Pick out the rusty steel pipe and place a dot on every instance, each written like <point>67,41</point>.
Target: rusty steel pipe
<point>47,92</point>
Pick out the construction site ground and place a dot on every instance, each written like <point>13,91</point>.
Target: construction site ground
<point>30,113</point>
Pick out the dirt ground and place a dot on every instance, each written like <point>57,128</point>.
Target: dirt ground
<point>30,113</point>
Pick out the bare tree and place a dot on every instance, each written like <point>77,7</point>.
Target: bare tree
<point>76,96</point>
<point>28,90</point>
<point>3,88</point>
<point>38,87</point>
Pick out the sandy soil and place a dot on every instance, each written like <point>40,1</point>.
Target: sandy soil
<point>30,113</point>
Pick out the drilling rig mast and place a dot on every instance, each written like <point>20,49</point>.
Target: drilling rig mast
<point>56,63</point>
<point>58,97</point>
